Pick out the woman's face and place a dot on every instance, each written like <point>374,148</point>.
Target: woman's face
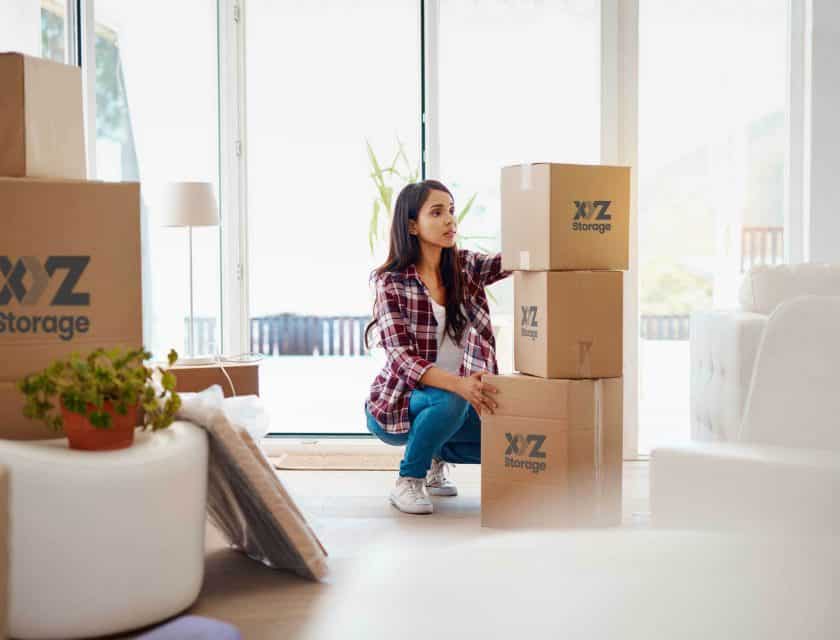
<point>436,224</point>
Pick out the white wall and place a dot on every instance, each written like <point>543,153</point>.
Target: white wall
<point>823,137</point>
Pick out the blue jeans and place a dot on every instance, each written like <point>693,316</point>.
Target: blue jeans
<point>443,425</point>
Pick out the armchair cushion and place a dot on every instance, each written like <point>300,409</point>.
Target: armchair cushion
<point>722,351</point>
<point>726,485</point>
<point>766,287</point>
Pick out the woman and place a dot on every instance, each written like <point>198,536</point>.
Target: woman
<point>433,321</point>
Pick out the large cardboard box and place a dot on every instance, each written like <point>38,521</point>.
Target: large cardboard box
<point>41,119</point>
<point>568,323</point>
<point>565,217</point>
<point>69,279</point>
<point>243,375</point>
<point>551,454</point>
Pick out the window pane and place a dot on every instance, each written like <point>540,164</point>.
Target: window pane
<point>711,170</point>
<point>34,28</point>
<point>324,80</point>
<point>53,26</point>
<point>157,122</point>
<point>536,98</point>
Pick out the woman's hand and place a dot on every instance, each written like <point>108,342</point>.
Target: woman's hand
<point>477,392</point>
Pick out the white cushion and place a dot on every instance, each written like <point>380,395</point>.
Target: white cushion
<point>794,399</point>
<point>723,347</point>
<point>107,541</point>
<point>728,485</point>
<point>765,287</point>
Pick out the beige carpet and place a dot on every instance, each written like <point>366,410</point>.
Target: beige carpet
<point>327,456</point>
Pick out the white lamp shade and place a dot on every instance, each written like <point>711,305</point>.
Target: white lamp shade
<point>188,204</point>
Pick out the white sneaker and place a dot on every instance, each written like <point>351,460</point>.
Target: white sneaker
<point>409,497</point>
<point>437,484</point>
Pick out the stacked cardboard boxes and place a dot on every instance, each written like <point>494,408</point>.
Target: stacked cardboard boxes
<point>551,453</point>
<point>69,248</point>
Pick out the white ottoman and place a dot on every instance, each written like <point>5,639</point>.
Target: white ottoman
<point>104,542</point>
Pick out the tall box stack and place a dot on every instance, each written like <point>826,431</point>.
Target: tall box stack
<point>69,247</point>
<point>551,453</point>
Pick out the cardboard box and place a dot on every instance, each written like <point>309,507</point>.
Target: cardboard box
<point>4,551</point>
<point>42,132</point>
<point>565,217</point>
<point>69,279</point>
<point>245,377</point>
<point>551,454</point>
<point>568,323</point>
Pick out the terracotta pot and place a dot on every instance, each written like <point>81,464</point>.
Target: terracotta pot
<point>83,435</point>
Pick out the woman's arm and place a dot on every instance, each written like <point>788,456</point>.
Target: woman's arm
<point>485,267</point>
<point>472,388</point>
<point>442,379</point>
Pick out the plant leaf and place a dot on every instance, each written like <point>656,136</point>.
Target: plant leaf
<point>466,208</point>
<point>374,225</point>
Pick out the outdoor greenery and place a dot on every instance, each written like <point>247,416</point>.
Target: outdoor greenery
<point>83,384</point>
<point>52,35</point>
<point>388,180</point>
<point>671,289</point>
<point>111,112</point>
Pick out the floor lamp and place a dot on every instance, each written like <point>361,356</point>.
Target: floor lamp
<point>189,204</point>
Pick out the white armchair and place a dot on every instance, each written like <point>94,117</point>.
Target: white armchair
<point>783,473</point>
<point>724,343</point>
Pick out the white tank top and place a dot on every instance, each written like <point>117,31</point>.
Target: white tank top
<point>449,354</point>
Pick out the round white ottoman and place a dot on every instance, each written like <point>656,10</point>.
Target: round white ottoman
<point>104,542</point>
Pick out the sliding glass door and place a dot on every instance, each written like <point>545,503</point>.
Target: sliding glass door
<point>712,153</point>
<point>333,117</point>
<point>157,121</point>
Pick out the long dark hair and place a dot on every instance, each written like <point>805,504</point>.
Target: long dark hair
<point>405,250</point>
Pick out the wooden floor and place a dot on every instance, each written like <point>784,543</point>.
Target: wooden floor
<point>349,510</point>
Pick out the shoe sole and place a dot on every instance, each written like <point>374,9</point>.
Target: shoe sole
<point>413,513</point>
<point>441,491</point>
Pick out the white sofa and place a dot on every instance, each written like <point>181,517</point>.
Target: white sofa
<point>724,343</point>
<point>783,473</point>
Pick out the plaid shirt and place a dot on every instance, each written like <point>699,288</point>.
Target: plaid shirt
<point>407,331</point>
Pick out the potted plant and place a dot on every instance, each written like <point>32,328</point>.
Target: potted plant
<point>99,396</point>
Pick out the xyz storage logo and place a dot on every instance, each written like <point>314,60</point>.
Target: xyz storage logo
<point>592,216</point>
<point>25,281</point>
<point>530,327</point>
<point>525,452</point>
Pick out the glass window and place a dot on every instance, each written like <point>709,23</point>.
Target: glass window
<point>332,86</point>
<point>53,28</point>
<point>157,122</point>
<point>519,82</point>
<point>34,28</point>
<point>711,177</point>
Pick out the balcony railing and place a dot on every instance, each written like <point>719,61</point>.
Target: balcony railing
<point>291,334</point>
<point>673,327</point>
<point>761,246</point>
<point>288,334</point>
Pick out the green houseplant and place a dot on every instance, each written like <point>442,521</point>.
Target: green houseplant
<point>99,396</point>
<point>388,180</point>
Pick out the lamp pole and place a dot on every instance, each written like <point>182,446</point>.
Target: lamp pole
<point>192,318</point>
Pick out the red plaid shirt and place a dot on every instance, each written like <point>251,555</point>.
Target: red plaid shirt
<point>407,331</point>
